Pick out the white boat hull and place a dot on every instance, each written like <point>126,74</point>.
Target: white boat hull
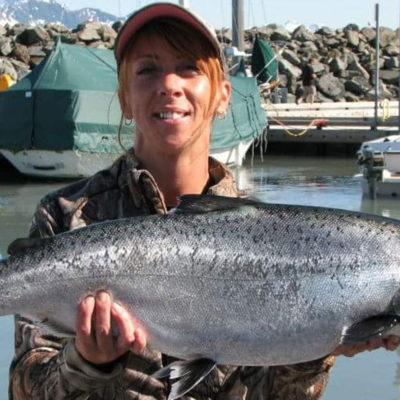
<point>380,166</point>
<point>77,164</point>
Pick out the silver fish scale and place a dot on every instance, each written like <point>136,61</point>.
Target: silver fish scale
<point>260,285</point>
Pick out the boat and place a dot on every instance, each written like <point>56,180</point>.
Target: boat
<point>379,162</point>
<point>63,118</point>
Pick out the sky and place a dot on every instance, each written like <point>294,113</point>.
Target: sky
<point>332,13</point>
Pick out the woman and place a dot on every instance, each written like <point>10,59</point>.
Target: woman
<point>172,83</point>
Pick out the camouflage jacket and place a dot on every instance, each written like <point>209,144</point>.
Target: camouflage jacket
<point>45,367</point>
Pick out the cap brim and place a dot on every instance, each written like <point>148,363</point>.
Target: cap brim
<point>157,10</point>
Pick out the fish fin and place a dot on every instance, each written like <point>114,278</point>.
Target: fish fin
<point>369,329</point>
<point>197,204</point>
<point>22,244</point>
<point>186,374</point>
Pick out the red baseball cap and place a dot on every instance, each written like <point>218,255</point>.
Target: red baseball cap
<point>158,10</point>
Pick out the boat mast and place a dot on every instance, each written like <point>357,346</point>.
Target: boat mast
<point>238,24</point>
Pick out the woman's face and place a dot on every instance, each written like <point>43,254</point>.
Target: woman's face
<point>169,98</point>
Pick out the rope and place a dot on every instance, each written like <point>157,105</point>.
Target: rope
<point>385,105</point>
<point>320,122</point>
<point>315,122</point>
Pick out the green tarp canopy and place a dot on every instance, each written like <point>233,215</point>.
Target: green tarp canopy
<point>70,102</point>
<point>264,65</point>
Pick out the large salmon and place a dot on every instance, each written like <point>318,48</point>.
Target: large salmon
<point>222,280</point>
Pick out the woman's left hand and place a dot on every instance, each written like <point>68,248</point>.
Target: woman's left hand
<point>389,343</point>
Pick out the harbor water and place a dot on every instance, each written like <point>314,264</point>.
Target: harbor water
<point>328,182</point>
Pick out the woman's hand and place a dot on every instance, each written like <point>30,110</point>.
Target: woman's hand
<point>94,336</point>
<point>389,343</point>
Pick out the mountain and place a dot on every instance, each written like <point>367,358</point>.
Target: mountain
<point>39,12</point>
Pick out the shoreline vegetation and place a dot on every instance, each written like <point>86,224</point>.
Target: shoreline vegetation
<point>345,57</point>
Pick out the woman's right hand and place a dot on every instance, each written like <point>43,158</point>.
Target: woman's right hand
<point>95,341</point>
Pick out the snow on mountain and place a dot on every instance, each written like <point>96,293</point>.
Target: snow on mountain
<point>38,12</point>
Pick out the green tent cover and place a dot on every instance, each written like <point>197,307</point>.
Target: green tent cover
<point>264,64</point>
<point>69,102</point>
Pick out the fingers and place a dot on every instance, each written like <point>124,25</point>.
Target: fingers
<point>389,343</point>
<point>102,316</point>
<point>94,336</point>
<point>125,325</point>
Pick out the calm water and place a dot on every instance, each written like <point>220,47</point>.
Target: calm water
<point>326,182</point>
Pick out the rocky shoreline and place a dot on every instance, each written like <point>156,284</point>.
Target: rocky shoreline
<point>345,57</point>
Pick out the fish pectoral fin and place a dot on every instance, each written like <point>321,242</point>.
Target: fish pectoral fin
<point>22,244</point>
<point>198,204</point>
<point>185,374</point>
<point>369,328</point>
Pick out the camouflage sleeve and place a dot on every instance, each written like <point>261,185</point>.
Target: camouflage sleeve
<point>306,381</point>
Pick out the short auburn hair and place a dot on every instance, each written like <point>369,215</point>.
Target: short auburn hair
<point>185,41</point>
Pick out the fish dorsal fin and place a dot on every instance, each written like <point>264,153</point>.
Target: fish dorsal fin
<point>185,375</point>
<point>197,204</point>
<point>22,244</point>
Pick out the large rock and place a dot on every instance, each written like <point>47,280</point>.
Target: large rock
<point>6,67</point>
<point>338,66</point>
<point>21,68</point>
<point>355,65</point>
<point>303,34</point>
<point>21,53</point>
<point>358,85</point>
<point>281,34</point>
<point>369,34</point>
<point>107,33</point>
<point>89,31</point>
<point>291,56</point>
<point>384,93</point>
<point>389,76</point>
<point>292,72</point>
<point>5,46</point>
<point>16,29</point>
<point>31,36</point>
<point>3,30</point>
<point>331,86</point>
<point>353,38</point>
<point>387,37</point>
<point>391,50</point>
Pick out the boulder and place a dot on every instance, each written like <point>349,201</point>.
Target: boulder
<point>338,66</point>
<point>281,34</point>
<point>6,67</point>
<point>117,25</point>
<point>107,33</point>
<point>353,37</point>
<point>331,86</point>
<point>369,34</point>
<point>292,72</point>
<point>56,27</point>
<point>354,65</point>
<point>391,62</point>
<point>384,93</point>
<point>351,27</point>
<point>390,76</point>
<point>303,34</point>
<point>17,29</point>
<point>391,50</point>
<point>34,35</point>
<point>351,97</point>
<point>358,85</point>
<point>21,68</point>
<point>89,31</point>
<point>5,46</point>
<point>21,53</point>
<point>3,30</point>
<point>291,56</point>
<point>387,37</point>
<point>325,31</point>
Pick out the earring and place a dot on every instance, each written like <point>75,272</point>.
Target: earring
<point>128,122</point>
<point>222,115</point>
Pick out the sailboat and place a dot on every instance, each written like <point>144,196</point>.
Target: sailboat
<point>62,119</point>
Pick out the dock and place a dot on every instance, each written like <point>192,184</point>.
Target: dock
<point>341,122</point>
